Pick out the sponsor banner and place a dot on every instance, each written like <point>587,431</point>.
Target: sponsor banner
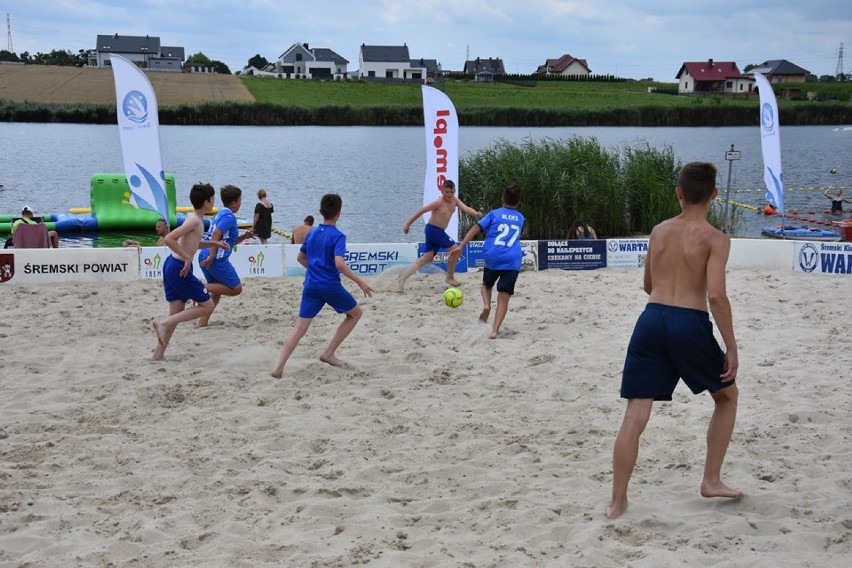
<point>442,256</point>
<point>626,253</point>
<point>258,261</point>
<point>823,258</point>
<point>139,133</point>
<point>475,254</point>
<point>530,259</point>
<point>442,150</point>
<point>48,266</point>
<point>572,255</point>
<point>250,261</point>
<point>363,259</point>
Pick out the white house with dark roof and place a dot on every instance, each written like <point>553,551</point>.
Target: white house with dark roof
<point>144,51</point>
<point>781,71</point>
<point>305,62</point>
<point>387,62</point>
<point>712,77</point>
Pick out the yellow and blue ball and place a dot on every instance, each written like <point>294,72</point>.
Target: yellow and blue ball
<point>453,297</point>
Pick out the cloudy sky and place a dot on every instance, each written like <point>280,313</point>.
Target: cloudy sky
<point>629,38</point>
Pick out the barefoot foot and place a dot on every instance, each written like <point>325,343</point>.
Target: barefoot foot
<point>277,374</point>
<point>615,510</point>
<point>452,281</point>
<point>483,315</point>
<point>334,361</point>
<point>719,489</point>
<point>159,351</point>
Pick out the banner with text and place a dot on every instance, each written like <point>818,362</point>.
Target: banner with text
<point>48,266</point>
<point>572,255</point>
<point>363,259</point>
<point>442,150</point>
<point>626,253</point>
<point>476,255</point>
<point>823,258</point>
<point>250,261</point>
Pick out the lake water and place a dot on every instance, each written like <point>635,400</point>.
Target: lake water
<point>378,171</point>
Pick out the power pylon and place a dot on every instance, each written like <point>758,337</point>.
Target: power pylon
<point>9,32</point>
<point>839,72</point>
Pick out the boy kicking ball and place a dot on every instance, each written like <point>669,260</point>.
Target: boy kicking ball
<point>503,254</point>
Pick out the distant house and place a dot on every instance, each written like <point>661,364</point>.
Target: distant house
<point>781,71</point>
<point>388,62</point>
<point>144,51</point>
<point>302,61</point>
<point>709,77</point>
<point>490,66</point>
<point>565,66</point>
<point>429,67</point>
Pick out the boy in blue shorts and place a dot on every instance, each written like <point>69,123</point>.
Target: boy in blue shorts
<point>503,254</point>
<point>673,338</point>
<point>440,212</point>
<point>323,254</point>
<point>222,278</point>
<point>179,283</point>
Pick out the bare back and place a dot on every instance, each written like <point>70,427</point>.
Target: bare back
<point>188,235</point>
<point>679,254</point>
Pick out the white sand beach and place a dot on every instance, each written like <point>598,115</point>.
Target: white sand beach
<point>439,448</point>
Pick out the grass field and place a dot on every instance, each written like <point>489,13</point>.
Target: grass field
<point>469,95</point>
<point>36,93</point>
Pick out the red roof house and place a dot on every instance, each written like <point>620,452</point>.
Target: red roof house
<point>712,77</point>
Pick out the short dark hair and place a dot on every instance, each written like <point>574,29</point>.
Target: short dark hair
<point>697,180</point>
<point>229,193</point>
<point>512,195</point>
<point>448,184</point>
<point>330,205</point>
<point>200,193</point>
<point>309,220</point>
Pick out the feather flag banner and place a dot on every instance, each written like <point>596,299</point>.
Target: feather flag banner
<point>139,132</point>
<point>442,149</point>
<point>770,143</point>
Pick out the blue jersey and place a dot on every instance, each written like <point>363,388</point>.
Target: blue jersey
<point>225,221</point>
<point>502,228</point>
<point>321,246</point>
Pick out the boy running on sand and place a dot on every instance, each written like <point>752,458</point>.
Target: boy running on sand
<point>222,278</point>
<point>673,338</point>
<point>503,254</point>
<point>179,283</point>
<point>440,212</point>
<point>323,254</point>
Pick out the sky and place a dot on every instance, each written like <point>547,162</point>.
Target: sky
<point>628,38</point>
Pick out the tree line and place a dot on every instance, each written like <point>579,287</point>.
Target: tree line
<point>65,58</point>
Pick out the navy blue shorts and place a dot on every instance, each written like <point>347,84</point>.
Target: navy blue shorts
<point>505,279</point>
<point>436,239</point>
<point>671,343</point>
<point>187,288</point>
<point>221,271</point>
<point>338,298</point>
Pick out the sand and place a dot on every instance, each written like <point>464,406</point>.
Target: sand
<point>439,448</point>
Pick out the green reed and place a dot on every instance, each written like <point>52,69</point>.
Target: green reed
<point>619,192</point>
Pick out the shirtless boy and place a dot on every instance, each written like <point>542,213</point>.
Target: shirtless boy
<point>440,212</point>
<point>179,283</point>
<point>673,338</point>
